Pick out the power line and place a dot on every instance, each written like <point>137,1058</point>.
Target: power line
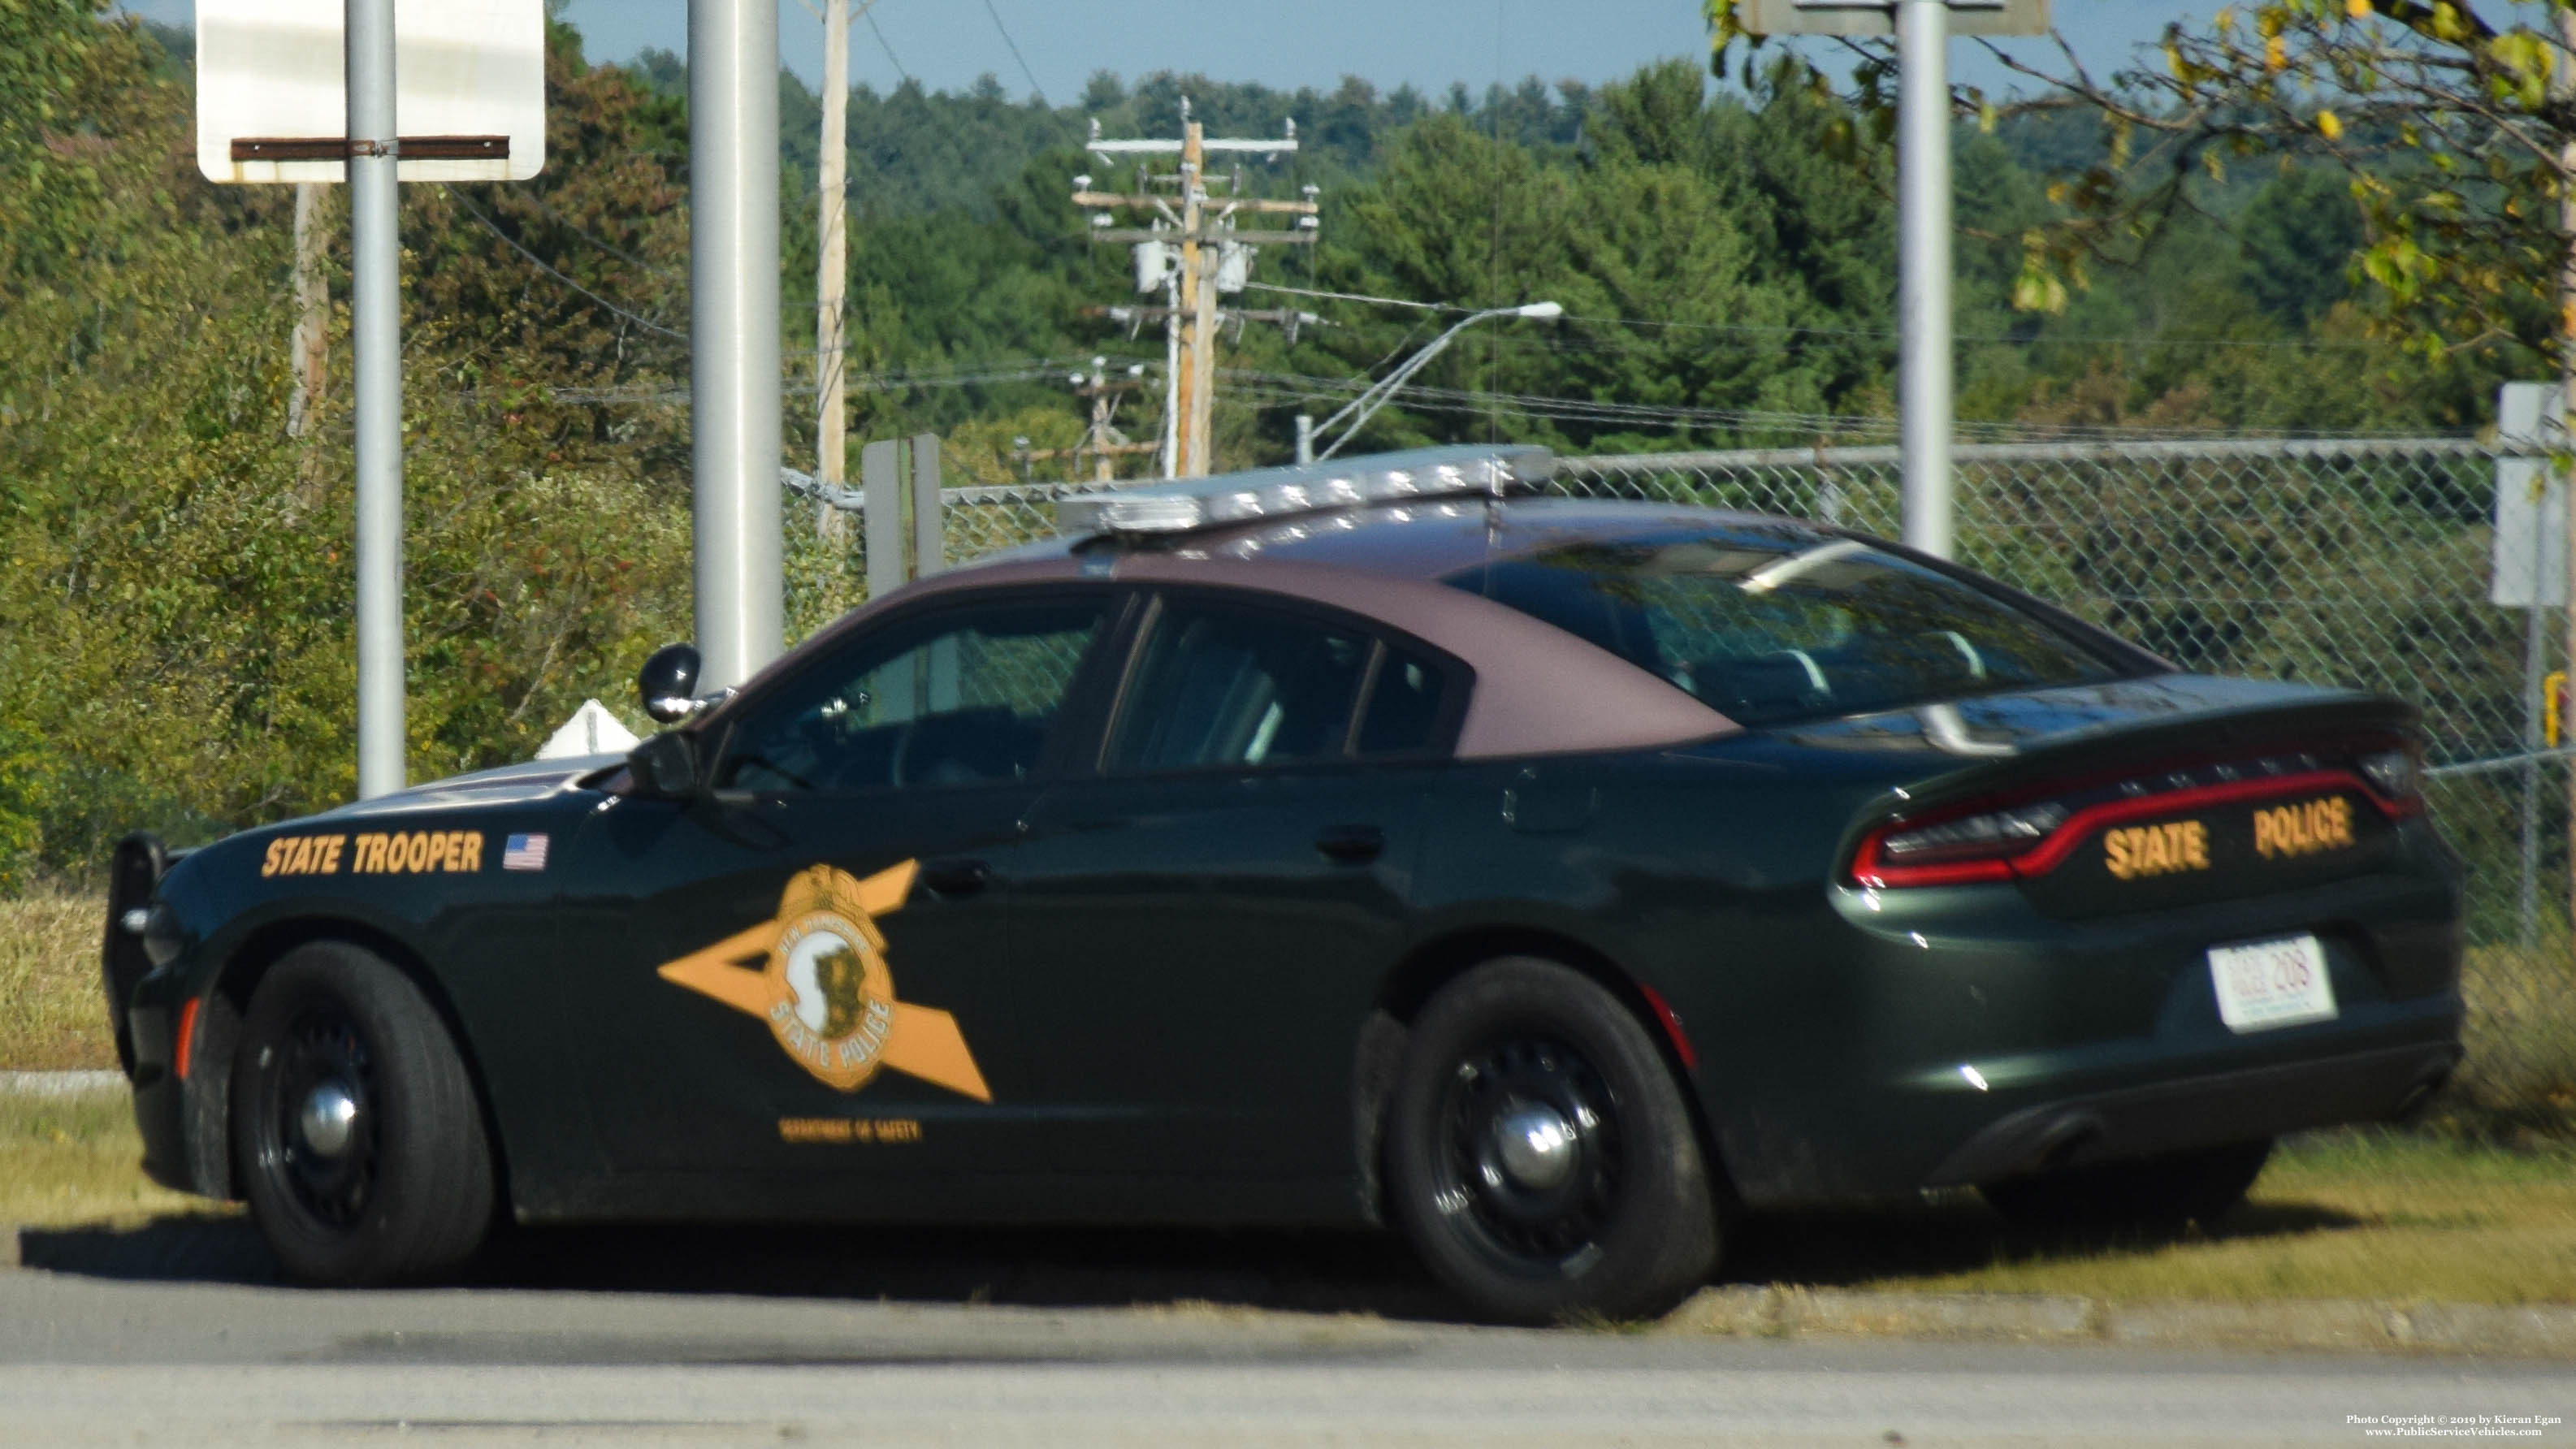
<point>1035,89</point>
<point>559,219</point>
<point>881,44</point>
<point>539,263</point>
<point>1866,333</point>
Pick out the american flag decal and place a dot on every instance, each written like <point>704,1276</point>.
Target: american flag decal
<point>524,852</point>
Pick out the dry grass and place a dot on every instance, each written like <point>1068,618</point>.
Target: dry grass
<point>51,1014</point>
<point>2349,1216</point>
<point>72,1162</point>
<point>2353,1216</point>
<point>2520,1033</point>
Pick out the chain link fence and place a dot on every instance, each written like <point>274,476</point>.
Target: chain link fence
<point>2361,563</point>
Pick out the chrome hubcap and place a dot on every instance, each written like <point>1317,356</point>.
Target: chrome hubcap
<point>327,1121</point>
<point>1535,1145</point>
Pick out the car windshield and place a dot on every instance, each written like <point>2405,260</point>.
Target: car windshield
<point>1778,626</point>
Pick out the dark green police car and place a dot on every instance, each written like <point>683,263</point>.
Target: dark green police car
<point>1366,842</point>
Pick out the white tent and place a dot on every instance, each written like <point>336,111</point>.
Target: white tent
<point>592,730</point>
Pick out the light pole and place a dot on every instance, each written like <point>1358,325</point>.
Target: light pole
<point>1370,401</point>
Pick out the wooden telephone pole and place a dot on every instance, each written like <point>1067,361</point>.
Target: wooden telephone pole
<point>1192,250</point>
<point>831,334</point>
<point>1102,443</point>
<point>312,347</point>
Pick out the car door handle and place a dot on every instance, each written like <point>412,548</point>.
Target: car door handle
<point>1351,844</point>
<point>956,877</point>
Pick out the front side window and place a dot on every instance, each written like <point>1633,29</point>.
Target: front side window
<point>1772,626</point>
<point>960,697</point>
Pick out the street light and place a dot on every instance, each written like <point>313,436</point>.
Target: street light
<point>1370,401</point>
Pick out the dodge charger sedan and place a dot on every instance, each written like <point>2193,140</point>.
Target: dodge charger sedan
<point>1364,843</point>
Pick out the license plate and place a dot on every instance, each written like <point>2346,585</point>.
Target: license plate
<point>2264,984</point>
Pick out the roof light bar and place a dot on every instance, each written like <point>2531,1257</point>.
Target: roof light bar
<point>1197,503</point>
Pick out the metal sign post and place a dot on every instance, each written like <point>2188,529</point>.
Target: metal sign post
<point>1923,401</point>
<point>735,392</point>
<point>1922,29</point>
<point>375,350</point>
<point>310,91</point>
<point>2529,572</point>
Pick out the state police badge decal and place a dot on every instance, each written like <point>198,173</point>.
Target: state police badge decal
<point>824,986</point>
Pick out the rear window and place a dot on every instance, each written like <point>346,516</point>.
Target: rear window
<point>1773,628</point>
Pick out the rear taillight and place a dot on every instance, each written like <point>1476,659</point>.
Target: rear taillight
<point>2000,841</point>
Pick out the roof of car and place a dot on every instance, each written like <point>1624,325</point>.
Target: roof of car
<point>1539,689</point>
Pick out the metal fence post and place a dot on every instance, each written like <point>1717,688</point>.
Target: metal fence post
<point>927,544</point>
<point>881,499</point>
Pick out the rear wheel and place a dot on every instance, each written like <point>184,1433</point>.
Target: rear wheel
<point>356,1129</point>
<point>1540,1155</point>
<point>2201,1185</point>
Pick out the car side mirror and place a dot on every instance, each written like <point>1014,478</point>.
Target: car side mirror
<point>669,683</point>
<point>666,766</point>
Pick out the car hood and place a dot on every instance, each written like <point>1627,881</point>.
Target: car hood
<point>504,785</point>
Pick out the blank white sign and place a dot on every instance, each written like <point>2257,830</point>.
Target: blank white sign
<point>273,69</point>
<point>2530,550</point>
<point>1878,17</point>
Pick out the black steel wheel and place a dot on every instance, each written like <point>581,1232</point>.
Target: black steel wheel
<point>2163,1192</point>
<point>1540,1155</point>
<point>357,1132</point>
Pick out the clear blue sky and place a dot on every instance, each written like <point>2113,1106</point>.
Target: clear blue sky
<point>948,43</point>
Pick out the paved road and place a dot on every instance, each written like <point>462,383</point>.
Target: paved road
<point>692,1338</point>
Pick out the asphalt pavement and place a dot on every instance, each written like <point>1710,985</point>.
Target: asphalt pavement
<point>989,1339</point>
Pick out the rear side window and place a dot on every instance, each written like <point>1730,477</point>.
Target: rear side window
<point>1405,703</point>
<point>1222,684</point>
<point>1776,626</point>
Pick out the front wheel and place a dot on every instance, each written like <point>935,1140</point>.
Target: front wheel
<point>1540,1155</point>
<point>356,1128</point>
<point>2161,1192</point>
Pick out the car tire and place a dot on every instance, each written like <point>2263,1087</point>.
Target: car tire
<point>1540,1155</point>
<point>2163,1192</point>
<point>357,1132</point>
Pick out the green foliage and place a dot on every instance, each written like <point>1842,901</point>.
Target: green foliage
<point>175,614</point>
<point>177,602</point>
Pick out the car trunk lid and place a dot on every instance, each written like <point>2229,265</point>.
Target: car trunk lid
<point>2133,794</point>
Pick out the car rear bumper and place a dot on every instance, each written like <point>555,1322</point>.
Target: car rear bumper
<point>2172,1116</point>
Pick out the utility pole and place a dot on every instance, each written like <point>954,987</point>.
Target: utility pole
<point>1196,381</point>
<point>1101,442</point>
<point>734,386</point>
<point>311,349</point>
<point>1213,256</point>
<point>831,336</point>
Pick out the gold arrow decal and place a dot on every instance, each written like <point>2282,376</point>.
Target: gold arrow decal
<point>818,975</point>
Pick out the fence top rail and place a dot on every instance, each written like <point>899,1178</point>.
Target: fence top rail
<point>1887,456</point>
